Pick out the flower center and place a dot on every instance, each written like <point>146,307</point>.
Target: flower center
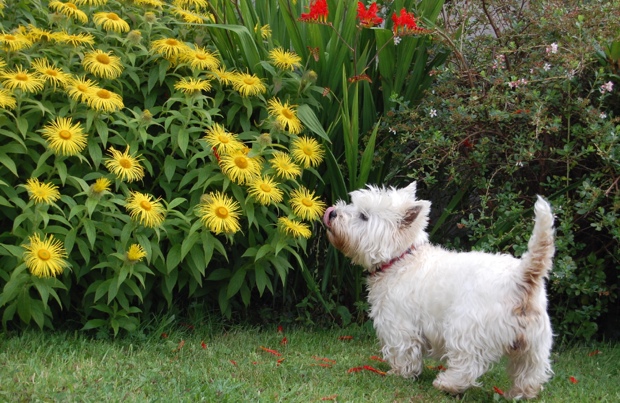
<point>125,163</point>
<point>307,202</point>
<point>241,162</point>
<point>10,37</point>
<point>146,205</point>
<point>200,56</point>
<point>287,113</point>
<point>249,80</point>
<point>44,254</point>
<point>223,139</point>
<point>103,59</point>
<point>113,16</point>
<point>51,72</point>
<point>82,87</point>
<point>64,134</point>
<point>308,150</point>
<point>172,42</point>
<point>221,212</point>
<point>265,187</point>
<point>71,5</point>
<point>21,76</point>
<point>104,94</point>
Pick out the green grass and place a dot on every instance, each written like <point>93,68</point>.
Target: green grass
<point>232,367</point>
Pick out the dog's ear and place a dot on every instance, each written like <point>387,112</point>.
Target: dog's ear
<point>411,188</point>
<point>413,212</point>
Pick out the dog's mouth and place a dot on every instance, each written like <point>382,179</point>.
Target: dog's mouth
<point>329,215</point>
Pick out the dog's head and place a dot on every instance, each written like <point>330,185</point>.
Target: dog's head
<point>379,224</point>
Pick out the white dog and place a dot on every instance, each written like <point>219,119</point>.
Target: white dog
<point>468,309</point>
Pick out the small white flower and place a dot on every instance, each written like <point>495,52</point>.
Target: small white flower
<point>570,74</point>
<point>392,130</point>
<point>607,87</point>
<point>553,48</point>
<point>396,40</point>
<point>547,67</point>
<point>432,113</point>
<point>519,164</point>
<point>603,115</point>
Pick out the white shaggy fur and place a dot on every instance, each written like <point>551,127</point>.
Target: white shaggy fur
<point>467,309</point>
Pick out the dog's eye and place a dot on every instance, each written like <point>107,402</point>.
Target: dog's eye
<point>363,217</point>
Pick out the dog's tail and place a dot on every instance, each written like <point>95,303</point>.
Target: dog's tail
<point>537,261</point>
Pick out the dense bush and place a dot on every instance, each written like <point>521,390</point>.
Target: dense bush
<point>529,105</point>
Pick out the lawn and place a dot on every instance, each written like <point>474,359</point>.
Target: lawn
<point>183,363</point>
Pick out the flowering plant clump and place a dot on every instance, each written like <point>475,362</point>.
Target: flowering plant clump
<point>147,154</point>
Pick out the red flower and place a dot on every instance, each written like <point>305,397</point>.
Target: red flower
<point>317,13</point>
<point>368,17</point>
<point>405,24</point>
<point>327,360</point>
<point>572,379</point>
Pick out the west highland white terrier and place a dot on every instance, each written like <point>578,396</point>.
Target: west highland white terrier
<point>467,309</point>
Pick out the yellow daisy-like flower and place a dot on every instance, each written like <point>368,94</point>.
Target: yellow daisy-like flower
<point>45,257</point>
<point>265,190</point>
<point>219,213</point>
<point>285,115</point>
<point>69,9</point>
<point>294,228</point>
<point>224,77</point>
<point>145,209</point>
<point>111,22</point>
<point>191,3</point>
<point>240,168</point>
<point>150,3</point>
<point>200,59</point>
<point>305,205</point>
<point>307,151</point>
<point>50,72</point>
<point>284,60</point>
<point>104,100</point>
<point>284,165</point>
<point>65,138</point>
<point>189,16</point>
<point>191,86</point>
<point>135,253</point>
<point>41,192</point>
<point>7,100</point>
<point>79,88</point>
<point>265,31</point>
<point>170,48</point>
<point>22,79</point>
<point>37,34</point>
<point>101,185</point>
<point>14,42</point>
<point>125,166</point>
<point>103,64</point>
<point>248,84</point>
<point>90,2</point>
<point>222,140</point>
<point>74,39</point>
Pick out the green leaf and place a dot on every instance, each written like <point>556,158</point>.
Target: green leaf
<point>8,163</point>
<point>235,283</point>
<point>307,116</point>
<point>170,167</point>
<point>174,258</point>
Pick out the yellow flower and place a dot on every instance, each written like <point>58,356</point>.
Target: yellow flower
<point>265,190</point>
<point>150,3</point>
<point>284,60</point>
<point>219,213</point>
<point>144,209</point>
<point>200,59</point>
<point>265,31</point>
<point>14,42</point>
<point>284,165</point>
<point>125,166</point>
<point>41,192</point>
<point>7,100</point>
<point>222,140</point>
<point>69,9</point>
<point>90,2</point>
<point>101,185</point>
<point>22,79</point>
<point>285,115</point>
<point>74,39</point>
<point>103,64</point>
<point>307,151</point>
<point>135,253</point>
<point>65,138</point>
<point>170,48</point>
<point>50,72</point>
<point>37,34</point>
<point>225,77</point>
<point>134,36</point>
<point>248,84</point>
<point>191,3</point>
<point>192,85</point>
<point>104,100</point>
<point>240,168</point>
<point>305,205</point>
<point>189,16</point>
<point>79,88</point>
<point>111,22</point>
<point>294,228</point>
<point>45,257</point>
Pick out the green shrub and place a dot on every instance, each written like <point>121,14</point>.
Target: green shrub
<point>529,107</point>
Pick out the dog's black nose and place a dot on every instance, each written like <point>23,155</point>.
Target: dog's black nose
<point>333,214</point>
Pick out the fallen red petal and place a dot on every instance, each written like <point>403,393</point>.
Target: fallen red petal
<point>332,397</point>
<point>498,390</point>
<point>270,351</point>
<point>181,344</point>
<point>203,344</point>
<point>284,341</point>
<point>572,379</point>
<point>280,361</point>
<point>322,365</point>
<point>164,335</point>
<point>345,338</point>
<point>233,362</point>
<point>323,359</point>
<point>595,352</point>
<point>280,329</point>
<point>376,358</point>
<point>375,370</point>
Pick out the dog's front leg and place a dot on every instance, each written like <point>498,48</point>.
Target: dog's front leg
<point>405,356</point>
